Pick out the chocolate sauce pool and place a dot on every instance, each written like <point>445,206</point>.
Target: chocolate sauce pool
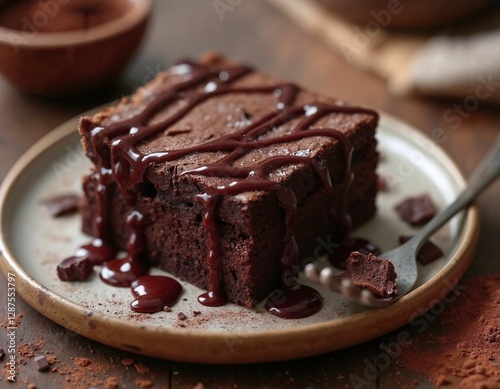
<point>119,161</point>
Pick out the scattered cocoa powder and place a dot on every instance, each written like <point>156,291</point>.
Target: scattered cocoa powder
<point>6,322</point>
<point>141,369</point>
<point>26,350</point>
<point>82,362</point>
<point>111,383</point>
<point>84,373</point>
<point>127,361</point>
<point>143,383</point>
<point>464,347</point>
<point>52,360</point>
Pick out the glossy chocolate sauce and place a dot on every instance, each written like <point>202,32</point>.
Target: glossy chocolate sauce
<point>98,251</point>
<point>153,293</point>
<point>118,143</point>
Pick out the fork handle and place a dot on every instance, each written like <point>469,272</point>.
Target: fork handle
<point>484,174</point>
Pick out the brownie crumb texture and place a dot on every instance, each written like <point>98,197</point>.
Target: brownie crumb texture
<point>250,220</point>
<point>373,273</point>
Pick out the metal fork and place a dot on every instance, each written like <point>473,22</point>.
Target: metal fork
<point>404,257</point>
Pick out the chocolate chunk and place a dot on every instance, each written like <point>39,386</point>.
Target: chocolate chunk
<point>373,273</point>
<point>428,253</point>
<point>181,316</point>
<point>75,269</point>
<point>41,362</point>
<point>61,204</point>
<point>416,210</point>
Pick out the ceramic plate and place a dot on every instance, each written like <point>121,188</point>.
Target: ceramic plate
<point>34,243</point>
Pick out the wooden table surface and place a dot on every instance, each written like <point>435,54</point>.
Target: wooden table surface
<point>254,32</point>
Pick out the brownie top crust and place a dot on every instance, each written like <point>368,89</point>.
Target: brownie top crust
<point>233,97</point>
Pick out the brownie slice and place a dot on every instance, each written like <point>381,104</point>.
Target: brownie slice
<point>252,224</point>
<point>373,273</point>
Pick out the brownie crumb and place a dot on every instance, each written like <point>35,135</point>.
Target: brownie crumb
<point>61,204</point>
<point>31,386</point>
<point>2,354</point>
<point>181,316</point>
<point>416,210</point>
<point>75,268</point>
<point>428,253</point>
<point>166,308</point>
<point>373,273</point>
<point>141,369</point>
<point>196,313</point>
<point>127,361</point>
<point>143,383</point>
<point>41,362</point>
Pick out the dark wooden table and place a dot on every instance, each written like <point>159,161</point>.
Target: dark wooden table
<point>254,32</point>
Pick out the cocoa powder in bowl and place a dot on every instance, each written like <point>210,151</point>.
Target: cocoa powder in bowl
<point>463,348</point>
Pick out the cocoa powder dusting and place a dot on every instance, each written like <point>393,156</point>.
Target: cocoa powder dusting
<point>141,369</point>
<point>127,361</point>
<point>6,322</point>
<point>463,349</point>
<point>143,383</point>
<point>111,383</point>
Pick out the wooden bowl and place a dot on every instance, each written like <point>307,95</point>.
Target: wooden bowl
<point>44,56</point>
<point>399,15</point>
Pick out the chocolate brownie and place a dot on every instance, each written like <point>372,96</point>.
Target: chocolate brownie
<point>232,172</point>
<point>373,273</point>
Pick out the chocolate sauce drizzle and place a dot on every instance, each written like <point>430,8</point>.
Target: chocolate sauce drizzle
<point>119,160</point>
